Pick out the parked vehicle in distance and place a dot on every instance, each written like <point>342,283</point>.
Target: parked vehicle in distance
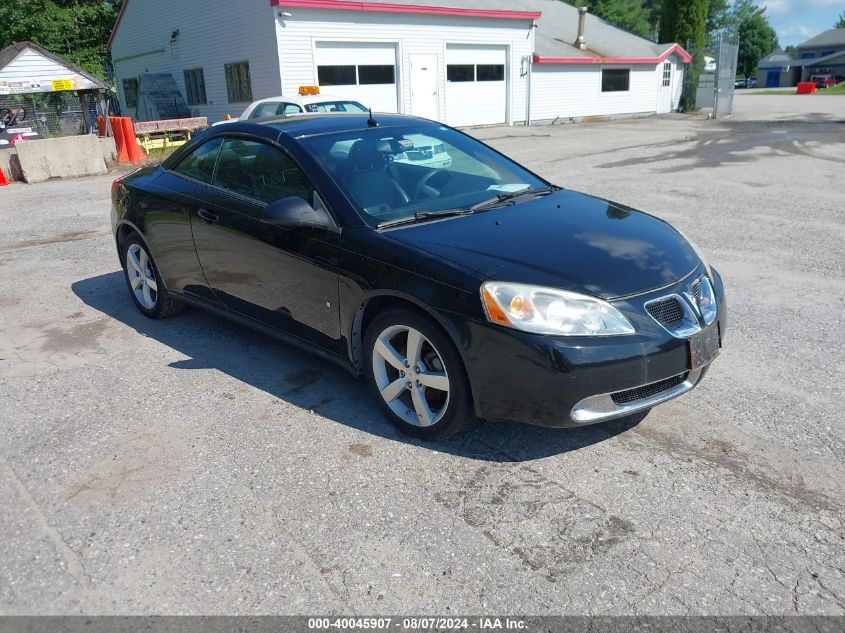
<point>423,150</point>
<point>308,101</point>
<point>823,81</point>
<point>748,82</point>
<point>472,290</point>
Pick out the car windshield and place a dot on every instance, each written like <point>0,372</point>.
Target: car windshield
<point>398,173</point>
<point>335,106</point>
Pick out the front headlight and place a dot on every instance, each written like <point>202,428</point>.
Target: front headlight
<point>550,311</point>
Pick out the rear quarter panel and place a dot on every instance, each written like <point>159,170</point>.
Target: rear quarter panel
<point>156,205</point>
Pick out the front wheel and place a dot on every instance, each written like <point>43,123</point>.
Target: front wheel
<point>144,281</point>
<point>416,375</point>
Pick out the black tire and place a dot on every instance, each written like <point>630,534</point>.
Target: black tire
<point>459,412</point>
<point>165,306</point>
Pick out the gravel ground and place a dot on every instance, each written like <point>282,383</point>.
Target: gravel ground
<point>188,466</point>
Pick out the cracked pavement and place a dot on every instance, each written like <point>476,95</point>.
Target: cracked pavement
<point>188,466</point>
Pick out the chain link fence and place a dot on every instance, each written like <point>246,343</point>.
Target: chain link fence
<point>726,66</point>
<point>54,114</point>
<point>716,66</point>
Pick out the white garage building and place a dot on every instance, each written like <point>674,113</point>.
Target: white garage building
<point>464,62</point>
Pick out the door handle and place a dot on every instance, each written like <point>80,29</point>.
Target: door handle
<point>207,215</point>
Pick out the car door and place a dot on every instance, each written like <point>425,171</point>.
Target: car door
<point>284,277</point>
<point>176,194</point>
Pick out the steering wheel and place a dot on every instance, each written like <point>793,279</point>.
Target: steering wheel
<point>426,190</point>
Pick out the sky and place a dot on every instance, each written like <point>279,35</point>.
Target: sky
<point>796,21</point>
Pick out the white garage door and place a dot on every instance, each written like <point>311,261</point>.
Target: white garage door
<point>365,72</point>
<point>476,84</point>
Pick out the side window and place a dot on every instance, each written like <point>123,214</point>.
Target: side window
<point>130,92</point>
<point>238,82</point>
<point>289,108</point>
<point>199,165</point>
<point>260,172</point>
<point>265,109</point>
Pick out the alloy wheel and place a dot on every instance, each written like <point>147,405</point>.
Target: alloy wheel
<point>142,278</point>
<point>410,375</point>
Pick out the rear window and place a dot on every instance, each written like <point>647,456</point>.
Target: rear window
<point>335,106</point>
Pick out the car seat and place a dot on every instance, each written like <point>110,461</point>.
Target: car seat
<point>369,180</point>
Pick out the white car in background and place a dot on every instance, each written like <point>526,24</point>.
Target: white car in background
<point>422,150</point>
<point>308,101</point>
<point>419,149</point>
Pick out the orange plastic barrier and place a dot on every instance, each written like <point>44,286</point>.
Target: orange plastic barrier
<point>3,181</point>
<point>806,88</point>
<point>119,144</point>
<point>131,142</point>
<point>101,125</point>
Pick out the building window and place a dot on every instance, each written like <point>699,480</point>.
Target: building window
<point>460,72</point>
<point>130,92</point>
<point>364,75</point>
<point>807,55</point>
<point>238,84</point>
<point>195,86</point>
<point>667,74</point>
<point>615,79</point>
<point>490,72</point>
<point>336,75</point>
<point>376,74</point>
<point>472,72</point>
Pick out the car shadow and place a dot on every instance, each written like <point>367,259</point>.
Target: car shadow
<point>291,375</point>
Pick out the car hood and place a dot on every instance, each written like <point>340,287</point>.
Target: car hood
<point>563,240</point>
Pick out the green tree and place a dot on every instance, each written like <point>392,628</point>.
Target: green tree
<point>725,16</point>
<point>77,30</point>
<point>637,16</point>
<point>792,51</point>
<point>840,23</point>
<point>756,40</point>
<point>685,22</point>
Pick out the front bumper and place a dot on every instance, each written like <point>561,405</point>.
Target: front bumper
<point>570,382</point>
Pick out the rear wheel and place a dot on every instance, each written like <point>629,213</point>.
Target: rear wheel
<point>144,281</point>
<point>416,375</point>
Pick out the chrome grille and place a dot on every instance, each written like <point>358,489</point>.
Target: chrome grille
<point>647,391</point>
<point>696,289</point>
<point>668,312</point>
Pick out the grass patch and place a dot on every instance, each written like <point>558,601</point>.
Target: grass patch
<point>838,89</point>
<point>159,154</point>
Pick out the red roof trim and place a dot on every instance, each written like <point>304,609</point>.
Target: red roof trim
<point>123,6</point>
<point>376,7</point>
<point>615,60</point>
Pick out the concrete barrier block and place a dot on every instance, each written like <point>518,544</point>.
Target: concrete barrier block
<point>5,162</point>
<point>108,149</point>
<point>65,157</point>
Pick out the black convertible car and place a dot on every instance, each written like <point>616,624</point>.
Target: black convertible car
<point>466,288</point>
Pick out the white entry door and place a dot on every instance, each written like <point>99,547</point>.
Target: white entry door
<point>363,71</point>
<point>476,84</point>
<point>424,86</point>
<point>666,90</point>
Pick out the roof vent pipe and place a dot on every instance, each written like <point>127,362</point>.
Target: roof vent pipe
<point>581,41</point>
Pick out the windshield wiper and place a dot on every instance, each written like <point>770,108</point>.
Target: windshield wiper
<point>510,195</point>
<point>424,215</point>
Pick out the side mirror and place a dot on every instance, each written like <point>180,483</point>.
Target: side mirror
<point>294,211</point>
